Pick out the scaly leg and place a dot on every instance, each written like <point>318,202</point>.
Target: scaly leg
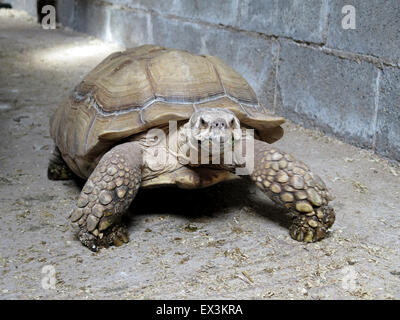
<point>106,196</point>
<point>289,182</point>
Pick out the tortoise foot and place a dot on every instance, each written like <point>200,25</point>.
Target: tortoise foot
<point>312,228</point>
<point>58,169</point>
<point>116,235</point>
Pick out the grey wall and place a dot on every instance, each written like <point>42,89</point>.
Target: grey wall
<point>27,5</point>
<point>294,53</point>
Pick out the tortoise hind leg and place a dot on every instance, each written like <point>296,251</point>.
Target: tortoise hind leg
<point>58,169</point>
<point>107,195</point>
<point>289,182</point>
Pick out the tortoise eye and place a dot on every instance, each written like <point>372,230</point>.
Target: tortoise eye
<point>232,122</point>
<point>203,122</point>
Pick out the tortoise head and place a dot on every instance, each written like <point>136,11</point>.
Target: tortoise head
<point>214,125</point>
<point>216,131</point>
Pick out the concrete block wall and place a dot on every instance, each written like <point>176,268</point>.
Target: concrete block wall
<point>294,53</point>
<point>27,5</point>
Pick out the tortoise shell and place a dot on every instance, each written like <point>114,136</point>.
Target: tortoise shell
<point>145,87</point>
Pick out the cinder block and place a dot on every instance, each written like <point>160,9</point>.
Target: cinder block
<point>125,27</point>
<point>377,30</point>
<point>178,34</point>
<point>388,119</point>
<point>218,12</point>
<point>253,57</point>
<point>65,12</point>
<point>301,20</point>
<point>320,90</point>
<point>129,28</point>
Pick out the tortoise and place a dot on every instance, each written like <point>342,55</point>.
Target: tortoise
<point>149,116</point>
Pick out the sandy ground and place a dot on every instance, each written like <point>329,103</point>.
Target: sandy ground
<point>226,241</point>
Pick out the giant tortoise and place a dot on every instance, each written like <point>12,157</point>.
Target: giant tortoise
<point>153,116</point>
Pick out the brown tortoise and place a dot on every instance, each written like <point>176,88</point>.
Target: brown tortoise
<point>105,133</point>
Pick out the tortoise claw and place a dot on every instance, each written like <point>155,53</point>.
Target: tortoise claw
<point>116,235</point>
<point>94,248</point>
<point>89,240</point>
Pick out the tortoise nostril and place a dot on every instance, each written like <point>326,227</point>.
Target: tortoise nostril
<point>219,124</point>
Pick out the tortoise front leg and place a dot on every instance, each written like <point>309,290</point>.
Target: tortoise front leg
<point>106,195</point>
<point>289,182</point>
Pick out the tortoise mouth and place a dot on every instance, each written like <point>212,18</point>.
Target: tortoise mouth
<point>221,144</point>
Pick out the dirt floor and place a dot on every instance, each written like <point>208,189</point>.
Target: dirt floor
<point>225,242</point>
